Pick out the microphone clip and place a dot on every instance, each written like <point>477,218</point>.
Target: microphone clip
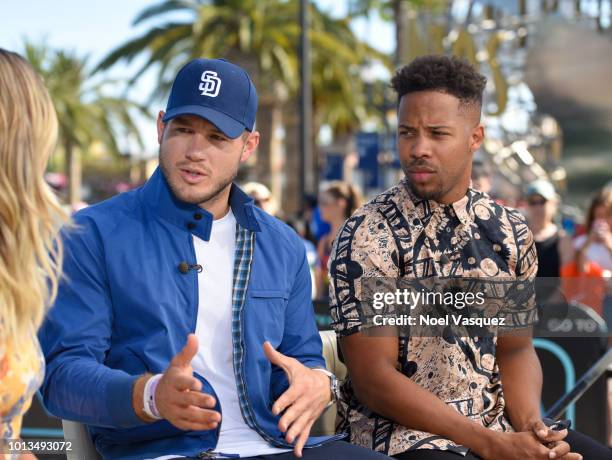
<point>184,267</point>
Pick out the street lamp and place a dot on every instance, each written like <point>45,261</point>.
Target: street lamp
<point>306,158</point>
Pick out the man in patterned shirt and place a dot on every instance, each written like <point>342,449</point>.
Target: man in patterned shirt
<point>439,396</point>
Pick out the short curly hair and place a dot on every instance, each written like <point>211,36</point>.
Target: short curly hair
<point>448,74</point>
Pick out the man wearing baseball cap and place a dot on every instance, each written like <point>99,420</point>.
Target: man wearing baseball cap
<point>184,326</point>
<point>553,246</point>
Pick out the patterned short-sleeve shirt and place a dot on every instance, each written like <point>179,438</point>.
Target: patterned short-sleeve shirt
<point>398,235</point>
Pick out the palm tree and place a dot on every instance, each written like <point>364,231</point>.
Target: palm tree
<point>403,13</point>
<point>261,35</point>
<point>87,115</point>
<point>252,33</point>
<point>338,92</point>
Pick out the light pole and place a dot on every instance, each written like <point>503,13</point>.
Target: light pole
<point>306,157</point>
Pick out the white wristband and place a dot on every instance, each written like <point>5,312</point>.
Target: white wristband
<point>148,398</point>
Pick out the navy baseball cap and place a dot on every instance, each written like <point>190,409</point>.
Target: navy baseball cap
<point>216,90</point>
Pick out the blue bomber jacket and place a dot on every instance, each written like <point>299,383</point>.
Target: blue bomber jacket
<point>125,308</point>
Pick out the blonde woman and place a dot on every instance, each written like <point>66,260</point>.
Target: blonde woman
<point>30,251</point>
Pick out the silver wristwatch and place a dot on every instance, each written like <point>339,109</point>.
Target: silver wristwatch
<point>334,385</point>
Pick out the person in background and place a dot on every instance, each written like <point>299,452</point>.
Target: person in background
<point>596,245</point>
<point>318,227</point>
<point>553,246</point>
<point>593,266</point>
<point>309,206</point>
<point>337,202</point>
<point>30,251</point>
<point>596,248</point>
<point>262,197</point>
<point>587,277</point>
<point>300,228</point>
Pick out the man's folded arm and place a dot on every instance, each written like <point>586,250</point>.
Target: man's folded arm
<point>75,338</point>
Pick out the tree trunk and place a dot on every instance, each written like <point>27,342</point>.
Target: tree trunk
<point>73,173</point>
<point>523,15</point>
<point>400,13</point>
<point>269,160</point>
<point>317,154</point>
<point>599,15</point>
<point>291,199</point>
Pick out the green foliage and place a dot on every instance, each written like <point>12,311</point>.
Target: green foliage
<point>386,8</point>
<point>86,114</point>
<point>263,37</point>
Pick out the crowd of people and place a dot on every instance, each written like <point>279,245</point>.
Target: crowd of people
<point>181,323</point>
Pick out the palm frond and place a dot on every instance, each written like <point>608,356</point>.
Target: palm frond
<point>136,46</point>
<point>164,7</point>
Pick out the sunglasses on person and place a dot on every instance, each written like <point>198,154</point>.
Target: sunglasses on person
<point>536,201</point>
<point>326,201</point>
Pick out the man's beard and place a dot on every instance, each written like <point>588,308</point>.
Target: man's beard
<point>434,194</point>
<point>198,199</point>
<point>446,182</point>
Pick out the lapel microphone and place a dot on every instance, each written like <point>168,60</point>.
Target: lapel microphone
<point>184,267</point>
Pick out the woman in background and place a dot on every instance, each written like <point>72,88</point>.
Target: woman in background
<point>337,202</point>
<point>596,245</point>
<point>587,278</point>
<point>30,250</point>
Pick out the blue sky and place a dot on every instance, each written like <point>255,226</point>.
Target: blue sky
<point>94,27</point>
<point>97,26</point>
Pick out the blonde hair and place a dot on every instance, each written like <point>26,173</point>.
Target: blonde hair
<point>30,215</point>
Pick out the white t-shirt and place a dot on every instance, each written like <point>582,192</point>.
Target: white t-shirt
<point>214,332</point>
<point>596,252</point>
